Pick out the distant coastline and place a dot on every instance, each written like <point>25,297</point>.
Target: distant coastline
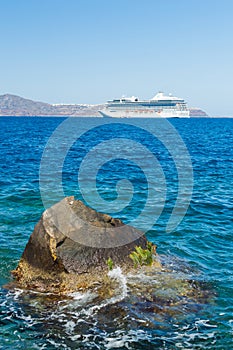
<point>12,105</point>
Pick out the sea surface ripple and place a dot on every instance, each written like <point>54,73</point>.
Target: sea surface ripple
<point>199,250</point>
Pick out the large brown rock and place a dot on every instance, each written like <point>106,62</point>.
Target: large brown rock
<point>70,245</point>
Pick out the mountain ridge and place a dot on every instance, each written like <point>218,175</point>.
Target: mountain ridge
<point>14,105</point>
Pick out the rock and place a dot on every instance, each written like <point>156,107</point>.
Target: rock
<point>70,245</point>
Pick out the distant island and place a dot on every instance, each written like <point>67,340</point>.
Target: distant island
<point>12,105</point>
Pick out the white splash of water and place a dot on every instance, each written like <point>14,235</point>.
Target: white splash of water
<point>121,278</point>
<point>17,293</point>
<point>118,275</point>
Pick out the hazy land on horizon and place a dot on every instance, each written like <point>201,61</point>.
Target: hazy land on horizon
<point>12,105</point>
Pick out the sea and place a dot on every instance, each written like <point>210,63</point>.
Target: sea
<point>173,179</point>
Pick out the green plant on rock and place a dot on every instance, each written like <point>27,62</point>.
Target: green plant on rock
<point>134,256</point>
<point>151,247</point>
<point>142,256</point>
<point>110,264</point>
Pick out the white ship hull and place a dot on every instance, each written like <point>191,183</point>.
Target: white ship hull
<point>107,113</point>
<point>160,106</point>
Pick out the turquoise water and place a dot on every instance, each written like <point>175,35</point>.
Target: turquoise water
<point>199,250</point>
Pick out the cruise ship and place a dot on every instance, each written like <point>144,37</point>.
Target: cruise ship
<point>160,106</point>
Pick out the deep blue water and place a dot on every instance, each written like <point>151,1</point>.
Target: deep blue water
<point>202,244</point>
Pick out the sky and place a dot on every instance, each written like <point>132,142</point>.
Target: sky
<point>90,51</point>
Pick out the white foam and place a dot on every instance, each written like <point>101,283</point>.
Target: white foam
<point>70,326</point>
<point>17,293</point>
<point>205,323</point>
<point>121,339</point>
<point>82,298</point>
<point>79,300</point>
<point>114,343</point>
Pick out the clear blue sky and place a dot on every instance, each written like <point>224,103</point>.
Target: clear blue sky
<point>88,51</point>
